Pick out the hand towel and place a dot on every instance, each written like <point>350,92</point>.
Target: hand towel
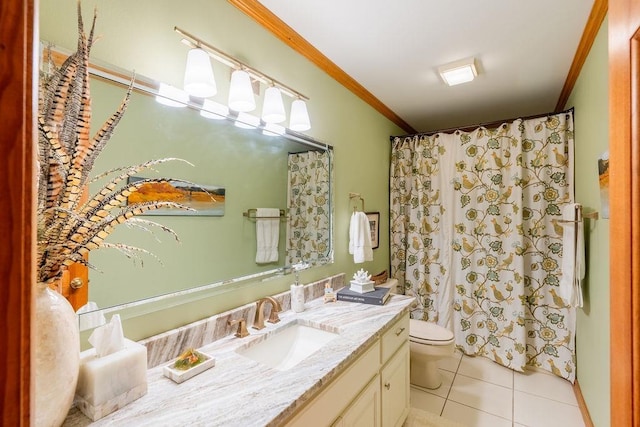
<point>267,235</point>
<point>360,238</point>
<point>573,264</point>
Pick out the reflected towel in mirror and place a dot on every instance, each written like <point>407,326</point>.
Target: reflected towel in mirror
<point>360,238</point>
<point>267,234</point>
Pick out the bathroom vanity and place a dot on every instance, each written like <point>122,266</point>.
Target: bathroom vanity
<point>360,375</point>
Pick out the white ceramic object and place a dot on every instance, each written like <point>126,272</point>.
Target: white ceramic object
<point>428,343</point>
<point>57,356</point>
<point>297,298</point>
<point>288,346</point>
<point>179,376</point>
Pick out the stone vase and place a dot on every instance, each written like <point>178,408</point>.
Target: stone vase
<point>57,356</point>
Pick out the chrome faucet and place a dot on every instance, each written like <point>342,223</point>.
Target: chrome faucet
<point>258,322</point>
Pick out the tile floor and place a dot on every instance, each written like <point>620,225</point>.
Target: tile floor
<point>477,392</point>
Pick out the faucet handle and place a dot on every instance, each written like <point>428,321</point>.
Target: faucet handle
<point>242,327</point>
<point>275,309</point>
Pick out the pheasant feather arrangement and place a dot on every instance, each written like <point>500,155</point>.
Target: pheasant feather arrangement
<point>69,226</point>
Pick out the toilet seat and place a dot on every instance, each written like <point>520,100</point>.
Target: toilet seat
<point>422,332</point>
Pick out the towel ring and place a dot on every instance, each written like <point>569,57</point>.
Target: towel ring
<point>356,196</point>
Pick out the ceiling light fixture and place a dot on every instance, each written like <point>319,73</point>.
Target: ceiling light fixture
<point>241,90</point>
<point>458,72</point>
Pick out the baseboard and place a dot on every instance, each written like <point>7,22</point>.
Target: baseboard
<point>582,405</point>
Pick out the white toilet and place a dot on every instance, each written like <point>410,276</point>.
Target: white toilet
<point>428,343</point>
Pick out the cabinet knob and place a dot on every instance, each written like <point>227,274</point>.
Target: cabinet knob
<point>399,331</point>
<point>76,283</point>
<point>387,386</point>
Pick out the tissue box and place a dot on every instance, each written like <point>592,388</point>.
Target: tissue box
<point>106,384</point>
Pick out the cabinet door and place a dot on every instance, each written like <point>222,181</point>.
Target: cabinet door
<point>394,381</point>
<point>365,410</point>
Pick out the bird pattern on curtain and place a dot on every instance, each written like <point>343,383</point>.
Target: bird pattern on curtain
<point>309,225</point>
<point>474,237</point>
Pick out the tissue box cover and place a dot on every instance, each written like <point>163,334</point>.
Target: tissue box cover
<point>106,384</point>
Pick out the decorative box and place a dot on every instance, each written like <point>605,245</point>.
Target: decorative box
<point>362,287</point>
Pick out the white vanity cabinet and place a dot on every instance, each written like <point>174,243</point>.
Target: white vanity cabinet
<point>373,391</point>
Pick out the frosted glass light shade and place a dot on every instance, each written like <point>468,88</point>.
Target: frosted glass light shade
<point>273,107</point>
<point>198,76</point>
<point>272,129</point>
<point>213,110</point>
<point>172,96</point>
<point>247,121</point>
<point>299,120</point>
<point>241,93</point>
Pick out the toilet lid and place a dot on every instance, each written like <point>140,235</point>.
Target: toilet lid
<point>428,331</point>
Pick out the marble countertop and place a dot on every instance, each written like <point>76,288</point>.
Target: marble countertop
<point>238,391</point>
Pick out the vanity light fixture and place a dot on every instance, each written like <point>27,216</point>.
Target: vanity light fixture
<point>299,120</point>
<point>273,107</point>
<point>198,74</point>
<point>213,110</point>
<point>172,96</point>
<point>273,129</point>
<point>241,91</point>
<point>247,121</point>
<point>458,72</point>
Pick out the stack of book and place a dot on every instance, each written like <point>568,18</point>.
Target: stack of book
<point>378,296</point>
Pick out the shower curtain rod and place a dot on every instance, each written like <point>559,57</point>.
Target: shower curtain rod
<point>468,128</point>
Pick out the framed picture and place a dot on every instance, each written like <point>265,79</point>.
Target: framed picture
<point>207,200</point>
<point>374,227</point>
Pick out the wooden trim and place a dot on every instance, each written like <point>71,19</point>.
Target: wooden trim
<point>254,9</point>
<point>597,15</point>
<point>584,410</point>
<point>624,282</point>
<point>17,216</point>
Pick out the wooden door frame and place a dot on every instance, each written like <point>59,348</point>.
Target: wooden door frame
<point>624,145</point>
<point>18,35</point>
<point>17,216</point>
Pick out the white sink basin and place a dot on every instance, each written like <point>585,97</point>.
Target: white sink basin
<point>288,346</point>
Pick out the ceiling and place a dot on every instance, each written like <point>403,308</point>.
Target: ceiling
<point>523,50</point>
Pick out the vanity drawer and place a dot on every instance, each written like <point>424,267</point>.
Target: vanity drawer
<point>397,335</point>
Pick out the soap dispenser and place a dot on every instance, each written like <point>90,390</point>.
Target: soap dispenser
<point>297,294</point>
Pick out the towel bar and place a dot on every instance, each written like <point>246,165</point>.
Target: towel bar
<point>580,215</point>
<point>251,214</point>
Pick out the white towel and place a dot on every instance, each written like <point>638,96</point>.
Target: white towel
<point>573,268</point>
<point>267,234</point>
<point>360,238</point>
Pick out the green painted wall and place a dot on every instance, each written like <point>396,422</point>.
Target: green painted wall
<point>591,101</point>
<point>139,35</point>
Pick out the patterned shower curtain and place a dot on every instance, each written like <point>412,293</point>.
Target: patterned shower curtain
<point>474,237</point>
<point>309,225</point>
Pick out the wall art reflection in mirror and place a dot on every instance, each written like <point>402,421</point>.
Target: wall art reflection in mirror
<point>206,200</point>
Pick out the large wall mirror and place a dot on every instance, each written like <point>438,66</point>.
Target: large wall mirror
<point>249,168</point>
